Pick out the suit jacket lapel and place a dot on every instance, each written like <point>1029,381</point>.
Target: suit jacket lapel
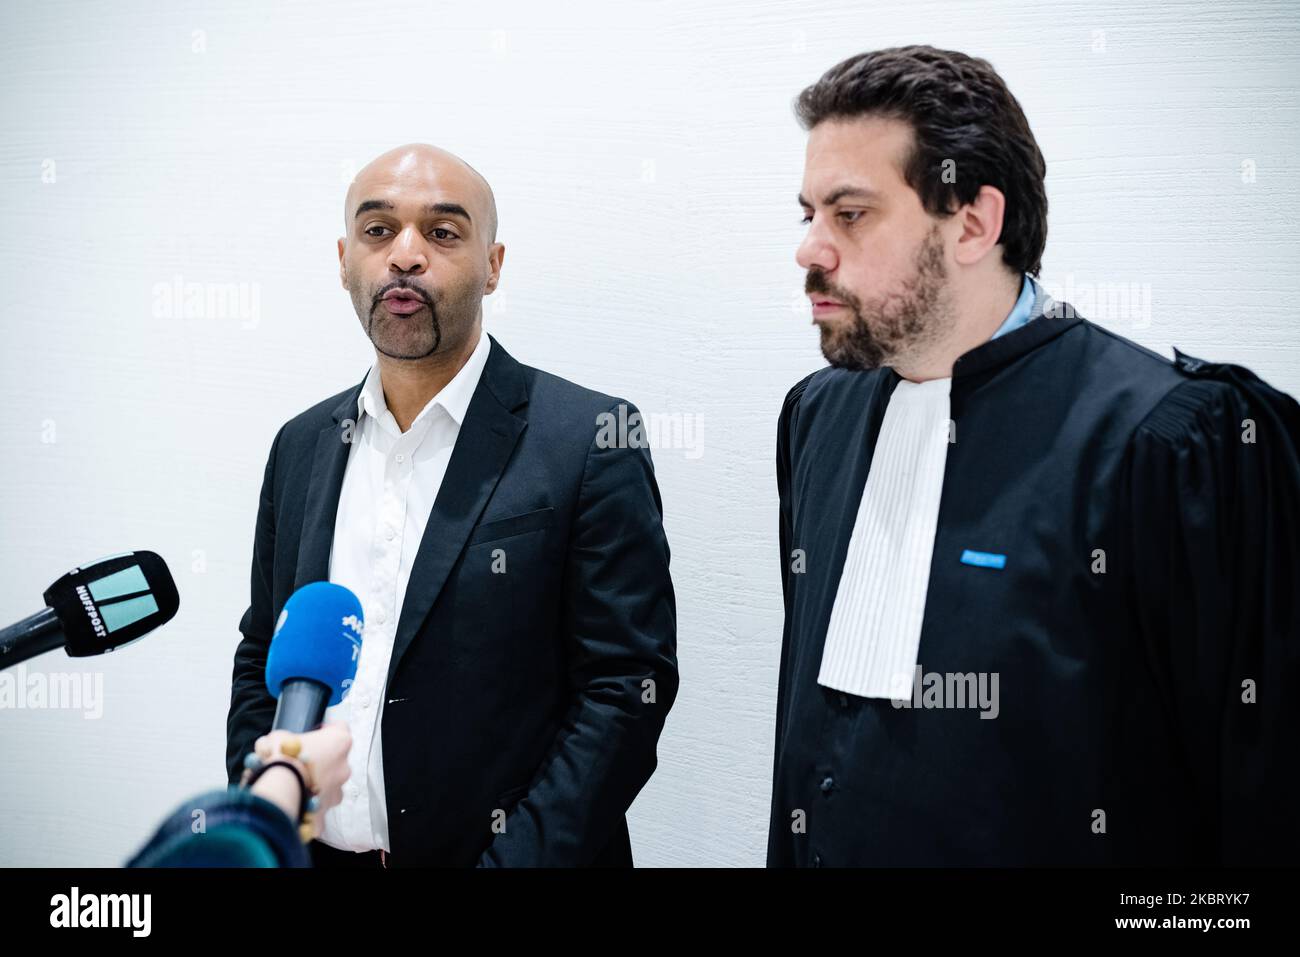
<point>328,465</point>
<point>486,441</point>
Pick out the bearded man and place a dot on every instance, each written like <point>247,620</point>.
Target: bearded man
<point>1039,581</point>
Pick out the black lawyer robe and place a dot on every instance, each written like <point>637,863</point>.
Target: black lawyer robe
<point>1144,628</point>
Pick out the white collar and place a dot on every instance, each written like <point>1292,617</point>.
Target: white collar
<point>454,397</point>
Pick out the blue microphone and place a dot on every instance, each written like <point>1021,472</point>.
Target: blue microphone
<point>313,657</point>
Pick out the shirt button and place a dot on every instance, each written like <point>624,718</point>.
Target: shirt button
<point>389,533</point>
<point>401,457</point>
<point>828,782</point>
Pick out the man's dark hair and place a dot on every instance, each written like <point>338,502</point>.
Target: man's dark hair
<point>960,110</point>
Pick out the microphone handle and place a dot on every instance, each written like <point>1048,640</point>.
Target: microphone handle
<point>301,706</point>
<point>34,635</point>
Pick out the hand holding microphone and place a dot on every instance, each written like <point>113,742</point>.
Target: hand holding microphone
<point>298,766</point>
<point>321,758</point>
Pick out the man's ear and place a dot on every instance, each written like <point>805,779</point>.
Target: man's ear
<point>496,256</point>
<point>980,222</point>
<point>343,273</point>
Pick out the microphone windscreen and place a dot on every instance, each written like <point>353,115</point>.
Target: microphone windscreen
<point>113,601</point>
<point>318,637</point>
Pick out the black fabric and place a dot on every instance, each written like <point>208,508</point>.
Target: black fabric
<point>325,856</point>
<point>526,693</point>
<point>1120,692</point>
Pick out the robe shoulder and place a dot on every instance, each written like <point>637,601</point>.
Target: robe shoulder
<point>827,394</point>
<point>1194,413</point>
<point>790,405</point>
<point>1222,442</point>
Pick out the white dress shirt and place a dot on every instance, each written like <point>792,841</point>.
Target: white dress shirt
<point>389,487</point>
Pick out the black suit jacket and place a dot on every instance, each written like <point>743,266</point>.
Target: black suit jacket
<point>533,697</point>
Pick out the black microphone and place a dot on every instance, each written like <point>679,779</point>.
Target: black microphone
<point>96,608</point>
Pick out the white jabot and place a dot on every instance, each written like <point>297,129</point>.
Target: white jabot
<point>874,633</point>
<point>389,487</point>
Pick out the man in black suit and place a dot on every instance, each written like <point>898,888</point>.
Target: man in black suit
<point>519,657</point>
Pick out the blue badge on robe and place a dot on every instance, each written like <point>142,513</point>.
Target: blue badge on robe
<point>983,559</point>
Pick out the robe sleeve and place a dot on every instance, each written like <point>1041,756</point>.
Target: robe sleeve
<point>1214,524</point>
<point>778,832</point>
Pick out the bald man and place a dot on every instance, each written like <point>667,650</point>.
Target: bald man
<point>519,656</point>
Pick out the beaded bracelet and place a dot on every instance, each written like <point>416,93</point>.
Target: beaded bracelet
<point>309,802</point>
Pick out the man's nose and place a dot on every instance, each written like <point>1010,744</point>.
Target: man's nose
<point>816,251</point>
<point>407,252</point>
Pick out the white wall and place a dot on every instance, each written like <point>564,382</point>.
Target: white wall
<point>646,161</point>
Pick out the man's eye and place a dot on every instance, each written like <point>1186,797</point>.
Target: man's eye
<point>807,218</point>
<point>845,215</point>
<point>368,230</point>
<point>444,234</point>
